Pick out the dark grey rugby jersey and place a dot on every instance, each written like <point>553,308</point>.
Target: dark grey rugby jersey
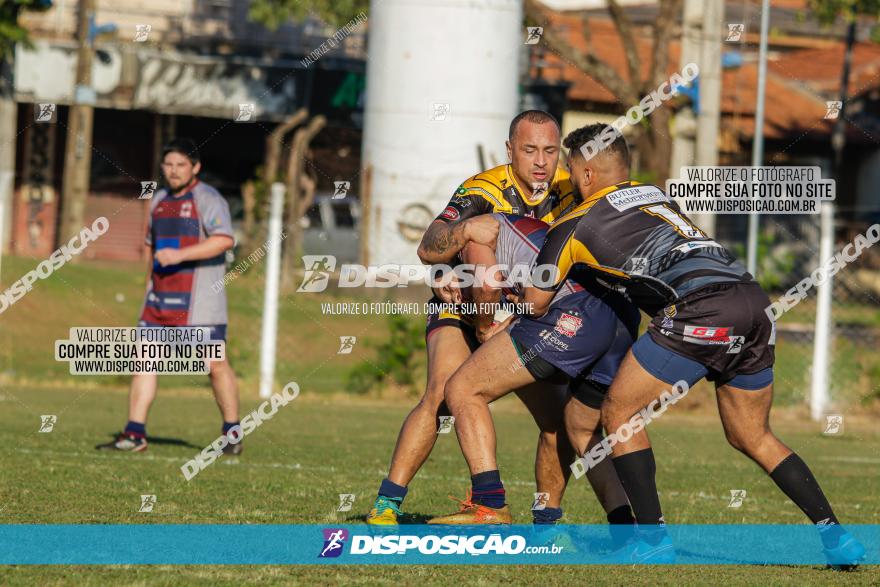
<point>634,238</point>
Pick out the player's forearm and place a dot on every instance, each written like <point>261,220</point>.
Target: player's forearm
<point>207,249</point>
<point>485,299</point>
<point>442,241</point>
<point>536,301</point>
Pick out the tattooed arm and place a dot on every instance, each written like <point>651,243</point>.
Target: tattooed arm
<point>443,240</point>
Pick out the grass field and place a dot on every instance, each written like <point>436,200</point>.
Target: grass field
<point>295,466</point>
<point>326,443</point>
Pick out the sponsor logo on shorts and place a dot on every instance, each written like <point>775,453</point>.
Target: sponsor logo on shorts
<point>550,338</point>
<point>450,213</point>
<point>568,325</point>
<point>708,334</point>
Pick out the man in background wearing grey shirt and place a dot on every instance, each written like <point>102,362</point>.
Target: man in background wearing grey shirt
<point>189,232</point>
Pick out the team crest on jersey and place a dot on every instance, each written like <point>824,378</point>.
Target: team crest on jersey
<point>186,210</point>
<point>568,325</point>
<point>450,213</point>
<point>670,311</point>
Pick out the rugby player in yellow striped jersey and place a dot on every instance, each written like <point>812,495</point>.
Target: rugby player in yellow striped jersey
<point>530,185</point>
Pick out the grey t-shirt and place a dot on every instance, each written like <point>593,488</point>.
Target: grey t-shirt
<point>182,295</point>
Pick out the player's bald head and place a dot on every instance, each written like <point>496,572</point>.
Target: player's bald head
<point>533,116</point>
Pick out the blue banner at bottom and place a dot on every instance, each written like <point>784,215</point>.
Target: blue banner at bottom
<point>180,544</point>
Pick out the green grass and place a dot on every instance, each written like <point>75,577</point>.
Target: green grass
<point>295,466</point>
<point>327,443</point>
<point>111,294</point>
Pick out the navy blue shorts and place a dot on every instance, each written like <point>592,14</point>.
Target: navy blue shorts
<point>581,335</point>
<point>672,367</point>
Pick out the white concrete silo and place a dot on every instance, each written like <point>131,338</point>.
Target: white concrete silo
<point>442,79</point>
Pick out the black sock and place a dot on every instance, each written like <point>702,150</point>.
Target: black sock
<point>795,479</point>
<point>621,515</point>
<point>622,525</point>
<point>636,471</point>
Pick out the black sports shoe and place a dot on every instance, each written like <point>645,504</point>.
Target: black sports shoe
<point>233,449</point>
<point>125,442</point>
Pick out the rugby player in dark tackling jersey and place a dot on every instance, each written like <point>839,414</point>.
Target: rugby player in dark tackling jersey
<point>579,343</point>
<point>708,320</point>
<point>532,185</point>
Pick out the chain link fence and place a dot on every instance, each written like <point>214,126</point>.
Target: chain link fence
<point>788,251</point>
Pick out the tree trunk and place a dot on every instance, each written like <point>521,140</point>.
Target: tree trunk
<point>295,169</point>
<point>274,142</point>
<point>249,202</point>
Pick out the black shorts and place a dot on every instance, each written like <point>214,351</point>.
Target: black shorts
<point>440,319</point>
<point>723,326</point>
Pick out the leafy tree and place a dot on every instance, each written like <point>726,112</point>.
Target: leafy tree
<point>397,358</point>
<point>10,31</point>
<point>653,135</point>
<point>827,11</point>
<point>274,13</point>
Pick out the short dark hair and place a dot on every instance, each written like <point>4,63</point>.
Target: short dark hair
<point>184,146</point>
<point>536,116</point>
<point>581,136</point>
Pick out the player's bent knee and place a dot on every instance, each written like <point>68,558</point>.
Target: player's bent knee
<point>749,443</point>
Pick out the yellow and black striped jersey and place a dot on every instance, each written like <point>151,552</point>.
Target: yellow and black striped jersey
<point>633,237</point>
<point>497,190</point>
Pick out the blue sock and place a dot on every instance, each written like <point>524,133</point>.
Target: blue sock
<point>546,516</point>
<point>136,429</point>
<point>393,490</point>
<point>487,489</point>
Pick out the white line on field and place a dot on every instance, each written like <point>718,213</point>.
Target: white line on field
<point>872,460</point>
<point>228,462</point>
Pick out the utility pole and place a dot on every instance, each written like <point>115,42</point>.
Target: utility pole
<point>709,116</point>
<point>696,135</point>
<point>758,141</point>
<point>8,123</point>
<point>78,149</point>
